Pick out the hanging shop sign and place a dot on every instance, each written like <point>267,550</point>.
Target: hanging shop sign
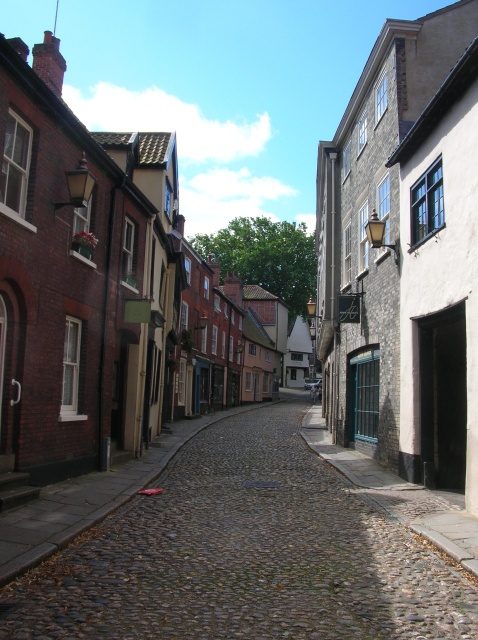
<point>137,311</point>
<point>349,309</point>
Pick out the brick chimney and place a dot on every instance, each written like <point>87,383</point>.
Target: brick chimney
<point>20,47</point>
<point>233,288</point>
<point>179,226</point>
<point>216,268</point>
<point>49,64</point>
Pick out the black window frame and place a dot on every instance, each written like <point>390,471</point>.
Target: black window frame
<point>423,215</point>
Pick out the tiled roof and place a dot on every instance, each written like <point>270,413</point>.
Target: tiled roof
<point>154,147</point>
<point>255,292</point>
<point>108,139</point>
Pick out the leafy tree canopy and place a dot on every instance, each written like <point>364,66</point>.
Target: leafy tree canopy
<point>278,256</point>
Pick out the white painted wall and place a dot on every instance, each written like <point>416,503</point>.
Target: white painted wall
<point>299,341</point>
<point>444,270</point>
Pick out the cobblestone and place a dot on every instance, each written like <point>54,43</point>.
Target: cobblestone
<point>253,537</point>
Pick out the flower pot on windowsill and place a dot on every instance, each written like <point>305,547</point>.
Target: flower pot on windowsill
<point>82,250</point>
<point>130,281</point>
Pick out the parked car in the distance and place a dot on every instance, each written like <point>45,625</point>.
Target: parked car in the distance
<point>310,383</point>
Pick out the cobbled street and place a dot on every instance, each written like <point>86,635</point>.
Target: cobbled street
<point>253,537</point>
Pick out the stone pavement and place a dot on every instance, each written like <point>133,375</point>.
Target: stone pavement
<point>437,516</point>
<point>32,533</point>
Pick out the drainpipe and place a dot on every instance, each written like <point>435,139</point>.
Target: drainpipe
<point>138,436</point>
<point>333,158</point>
<point>103,444</point>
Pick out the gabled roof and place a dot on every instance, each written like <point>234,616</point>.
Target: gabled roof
<point>154,147</point>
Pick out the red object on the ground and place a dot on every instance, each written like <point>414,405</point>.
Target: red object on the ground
<point>150,492</point>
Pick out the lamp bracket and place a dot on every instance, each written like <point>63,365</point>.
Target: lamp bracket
<point>396,249</point>
<point>70,203</point>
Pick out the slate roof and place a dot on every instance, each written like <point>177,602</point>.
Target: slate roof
<point>154,147</point>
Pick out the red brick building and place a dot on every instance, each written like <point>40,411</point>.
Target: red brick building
<point>63,336</point>
<point>209,358</point>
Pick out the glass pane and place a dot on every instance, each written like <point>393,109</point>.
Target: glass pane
<point>71,342</point>
<point>14,188</point>
<point>128,237</point>
<point>68,377</point>
<point>20,153</point>
<point>9,136</point>
<point>3,181</point>
<point>436,208</point>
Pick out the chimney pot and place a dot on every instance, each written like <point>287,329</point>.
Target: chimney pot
<point>48,63</point>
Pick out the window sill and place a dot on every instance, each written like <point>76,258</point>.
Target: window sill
<point>379,120</point>
<point>81,258</point>
<point>362,274</point>
<point>129,287</point>
<point>367,439</point>
<point>72,417</point>
<point>13,215</point>
<point>426,238</point>
<point>382,255</point>
<point>361,150</point>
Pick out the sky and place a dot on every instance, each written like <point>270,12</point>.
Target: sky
<point>249,86</point>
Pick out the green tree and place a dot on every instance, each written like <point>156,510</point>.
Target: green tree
<point>278,256</point>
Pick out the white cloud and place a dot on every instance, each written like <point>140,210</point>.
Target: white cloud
<point>209,199</point>
<point>112,108</point>
<point>309,219</point>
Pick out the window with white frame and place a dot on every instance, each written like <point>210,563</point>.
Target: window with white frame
<point>127,250</point>
<point>384,206</point>
<point>187,267</point>
<point>248,381</point>
<point>231,348</point>
<point>266,383</point>
<point>252,349</point>
<point>81,218</point>
<point>203,339</point>
<point>238,352</point>
<point>346,159</point>
<point>297,356</point>
<point>364,246</point>
<point>71,366</point>
<point>206,288</point>
<point>223,345</point>
<point>381,98</point>
<point>233,317</point>
<point>214,340</point>
<point>268,356</point>
<point>217,303</point>
<point>182,382</point>
<point>225,310</point>
<point>184,316</point>
<point>240,323</point>
<point>362,132</point>
<point>16,165</point>
<point>347,254</point>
